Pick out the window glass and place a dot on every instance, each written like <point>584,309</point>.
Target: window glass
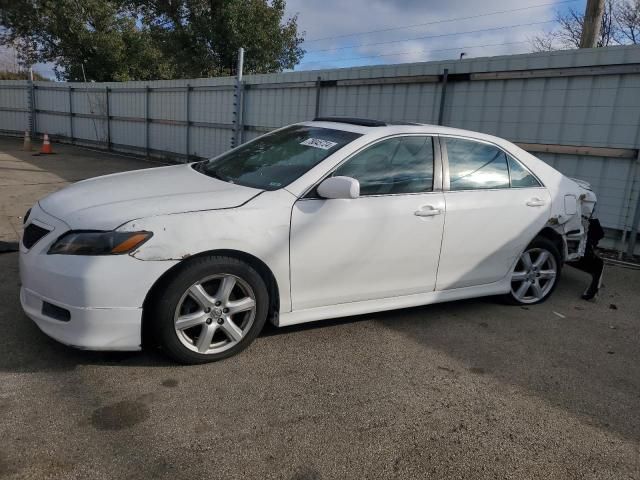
<point>520,176</point>
<point>277,159</point>
<point>397,165</point>
<point>475,165</point>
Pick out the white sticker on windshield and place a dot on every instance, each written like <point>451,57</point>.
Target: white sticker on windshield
<point>318,143</point>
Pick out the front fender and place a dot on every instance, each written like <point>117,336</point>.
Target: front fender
<point>260,229</point>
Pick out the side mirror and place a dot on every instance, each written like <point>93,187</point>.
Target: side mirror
<point>339,187</point>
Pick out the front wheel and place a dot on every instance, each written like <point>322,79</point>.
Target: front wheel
<point>213,308</point>
<point>536,273</point>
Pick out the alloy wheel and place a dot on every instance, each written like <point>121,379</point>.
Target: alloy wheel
<point>215,313</point>
<point>534,275</point>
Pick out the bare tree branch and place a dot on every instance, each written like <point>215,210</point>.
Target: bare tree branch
<point>627,17</point>
<point>620,25</point>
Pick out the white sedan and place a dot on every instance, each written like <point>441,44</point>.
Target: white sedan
<point>316,220</point>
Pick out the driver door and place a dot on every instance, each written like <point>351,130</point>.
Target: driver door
<point>386,243</point>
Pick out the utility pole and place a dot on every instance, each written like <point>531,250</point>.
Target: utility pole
<point>592,22</point>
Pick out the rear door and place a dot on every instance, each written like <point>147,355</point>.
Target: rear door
<point>495,206</point>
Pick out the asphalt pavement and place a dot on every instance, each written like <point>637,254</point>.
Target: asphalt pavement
<point>473,389</point>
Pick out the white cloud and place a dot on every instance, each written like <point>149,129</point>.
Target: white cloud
<point>336,18</point>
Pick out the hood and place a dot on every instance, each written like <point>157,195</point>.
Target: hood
<point>104,203</point>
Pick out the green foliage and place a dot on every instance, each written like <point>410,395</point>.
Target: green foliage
<point>118,40</point>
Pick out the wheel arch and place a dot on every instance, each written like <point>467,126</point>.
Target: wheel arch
<point>557,239</point>
<point>260,266</point>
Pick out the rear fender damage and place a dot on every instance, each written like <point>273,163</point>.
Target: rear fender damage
<point>571,220</point>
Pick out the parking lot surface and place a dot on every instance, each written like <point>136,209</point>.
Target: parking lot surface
<point>472,389</point>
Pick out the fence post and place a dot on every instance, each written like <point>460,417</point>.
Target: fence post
<point>71,112</point>
<point>633,235</point>
<point>146,120</point>
<point>188,115</point>
<point>238,127</point>
<point>443,95</point>
<point>31,104</point>
<point>318,88</point>
<point>106,90</point>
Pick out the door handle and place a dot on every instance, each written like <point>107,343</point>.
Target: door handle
<point>535,202</point>
<point>427,211</point>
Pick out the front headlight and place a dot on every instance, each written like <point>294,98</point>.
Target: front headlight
<point>98,243</point>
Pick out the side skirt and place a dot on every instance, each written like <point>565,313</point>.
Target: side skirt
<point>393,303</point>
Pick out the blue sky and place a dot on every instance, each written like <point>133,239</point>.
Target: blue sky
<point>410,33</point>
<point>414,30</point>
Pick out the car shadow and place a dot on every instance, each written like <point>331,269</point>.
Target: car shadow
<point>575,355</point>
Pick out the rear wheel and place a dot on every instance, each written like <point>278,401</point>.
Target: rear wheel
<point>536,273</point>
<point>213,308</point>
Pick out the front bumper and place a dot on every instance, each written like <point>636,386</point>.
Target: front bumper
<point>101,297</point>
<point>87,328</point>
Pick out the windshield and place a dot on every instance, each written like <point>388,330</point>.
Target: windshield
<point>277,159</point>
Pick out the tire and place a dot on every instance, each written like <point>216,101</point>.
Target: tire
<point>211,309</point>
<point>542,275</point>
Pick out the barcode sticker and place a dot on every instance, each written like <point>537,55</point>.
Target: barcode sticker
<point>318,143</point>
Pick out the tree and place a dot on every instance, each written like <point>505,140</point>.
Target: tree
<point>628,21</point>
<point>620,25</point>
<point>117,40</point>
<point>204,35</point>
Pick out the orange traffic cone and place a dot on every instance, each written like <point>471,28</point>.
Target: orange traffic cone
<point>46,146</point>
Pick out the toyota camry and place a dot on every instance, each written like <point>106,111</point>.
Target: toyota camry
<point>321,219</point>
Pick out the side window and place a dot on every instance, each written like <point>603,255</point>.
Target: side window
<point>397,165</point>
<point>474,165</point>
<point>520,176</point>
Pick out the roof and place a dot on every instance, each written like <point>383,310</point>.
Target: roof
<point>377,127</point>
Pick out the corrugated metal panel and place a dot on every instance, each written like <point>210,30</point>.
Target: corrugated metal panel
<point>209,142</point>
<point>128,133</point>
<point>53,124</point>
<point>127,103</point>
<point>14,121</point>
<point>562,108</point>
<point>168,138</point>
<point>92,129</point>
<point>13,97</point>
<point>610,179</point>
<point>215,106</point>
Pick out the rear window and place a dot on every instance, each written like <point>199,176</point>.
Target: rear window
<point>277,159</point>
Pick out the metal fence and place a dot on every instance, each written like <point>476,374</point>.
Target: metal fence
<point>577,110</point>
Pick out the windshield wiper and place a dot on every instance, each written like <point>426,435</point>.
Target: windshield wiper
<point>199,167</point>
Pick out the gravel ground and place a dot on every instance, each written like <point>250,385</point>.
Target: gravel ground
<point>472,389</point>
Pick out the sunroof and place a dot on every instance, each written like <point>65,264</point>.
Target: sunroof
<point>365,122</point>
